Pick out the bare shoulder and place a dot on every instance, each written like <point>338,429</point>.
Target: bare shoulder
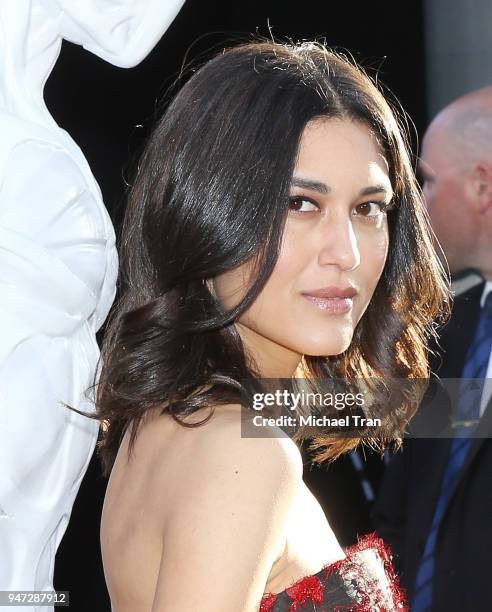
<point>227,522</point>
<point>224,440</point>
<point>226,451</point>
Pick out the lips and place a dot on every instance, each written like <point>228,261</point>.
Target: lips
<point>332,299</point>
<point>332,292</point>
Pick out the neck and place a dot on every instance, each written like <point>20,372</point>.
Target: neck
<point>272,360</point>
<point>485,267</point>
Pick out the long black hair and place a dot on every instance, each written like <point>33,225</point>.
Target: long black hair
<point>210,193</point>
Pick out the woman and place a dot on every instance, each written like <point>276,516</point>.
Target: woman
<point>274,228</point>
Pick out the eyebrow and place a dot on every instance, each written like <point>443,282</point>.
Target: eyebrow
<point>298,181</point>
<point>375,189</point>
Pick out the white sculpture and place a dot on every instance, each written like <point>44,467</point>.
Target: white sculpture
<point>58,268</point>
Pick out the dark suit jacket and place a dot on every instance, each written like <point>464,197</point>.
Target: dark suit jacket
<point>404,508</point>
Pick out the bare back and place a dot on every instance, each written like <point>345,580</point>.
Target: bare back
<point>144,493</point>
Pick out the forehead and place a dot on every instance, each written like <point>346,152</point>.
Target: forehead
<point>343,149</point>
<point>435,147</point>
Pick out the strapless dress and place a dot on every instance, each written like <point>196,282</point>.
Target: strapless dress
<point>364,581</point>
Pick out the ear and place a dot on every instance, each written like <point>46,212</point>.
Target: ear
<point>481,180</point>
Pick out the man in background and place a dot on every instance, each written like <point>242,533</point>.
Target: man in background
<point>435,501</point>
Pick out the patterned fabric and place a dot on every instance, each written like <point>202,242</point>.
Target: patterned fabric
<point>364,581</point>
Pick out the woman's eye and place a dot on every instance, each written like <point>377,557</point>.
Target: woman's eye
<point>371,209</point>
<point>302,204</point>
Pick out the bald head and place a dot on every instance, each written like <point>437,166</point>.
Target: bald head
<point>456,165</point>
<point>465,126</point>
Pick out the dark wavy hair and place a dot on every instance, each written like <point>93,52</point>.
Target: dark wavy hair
<point>210,193</point>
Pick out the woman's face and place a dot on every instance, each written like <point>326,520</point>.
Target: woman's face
<point>336,235</point>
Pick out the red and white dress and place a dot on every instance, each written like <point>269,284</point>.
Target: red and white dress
<point>364,581</point>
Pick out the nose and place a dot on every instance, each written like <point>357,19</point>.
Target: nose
<point>338,245</point>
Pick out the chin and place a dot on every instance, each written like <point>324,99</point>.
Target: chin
<point>326,353</point>
<point>329,348</point>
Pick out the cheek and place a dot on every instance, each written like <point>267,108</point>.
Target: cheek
<point>444,193</point>
<point>274,303</point>
<point>440,218</point>
<point>374,252</point>
<point>230,287</point>
<point>294,256</point>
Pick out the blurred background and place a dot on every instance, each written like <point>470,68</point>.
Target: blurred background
<point>426,52</point>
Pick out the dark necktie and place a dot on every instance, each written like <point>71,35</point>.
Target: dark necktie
<point>467,415</point>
